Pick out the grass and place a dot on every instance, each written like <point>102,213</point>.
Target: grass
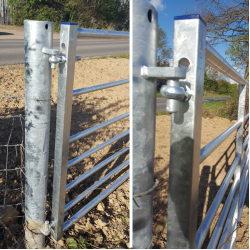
<point>162,113</point>
<point>215,95</point>
<point>118,56</point>
<point>216,108</point>
<point>158,95</point>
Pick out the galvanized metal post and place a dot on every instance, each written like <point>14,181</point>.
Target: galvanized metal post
<point>37,35</point>
<point>68,39</point>
<point>145,24</point>
<point>189,43</point>
<point>238,151</point>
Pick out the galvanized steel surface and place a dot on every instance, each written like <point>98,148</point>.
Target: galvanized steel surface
<point>99,126</point>
<point>102,32</point>
<point>93,150</point>
<point>95,168</point>
<point>219,226</point>
<point>163,72</point>
<point>37,34</point>
<point>99,87</point>
<point>68,39</point>
<point>94,202</point>
<point>215,60</point>
<point>94,186</point>
<point>203,230</point>
<point>211,146</point>
<point>189,43</point>
<point>145,25</point>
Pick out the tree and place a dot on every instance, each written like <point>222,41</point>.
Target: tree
<point>164,51</point>
<point>228,21</point>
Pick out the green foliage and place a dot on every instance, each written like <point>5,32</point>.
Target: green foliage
<point>238,51</point>
<point>79,243</point>
<point>99,14</point>
<point>164,51</point>
<point>219,86</point>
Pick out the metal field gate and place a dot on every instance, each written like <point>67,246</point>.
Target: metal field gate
<point>184,97</point>
<point>40,58</point>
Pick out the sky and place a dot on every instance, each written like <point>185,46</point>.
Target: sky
<point>168,9</point>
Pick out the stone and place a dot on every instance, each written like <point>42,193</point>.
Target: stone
<point>100,207</point>
<point>60,242</point>
<point>101,222</point>
<point>94,117</point>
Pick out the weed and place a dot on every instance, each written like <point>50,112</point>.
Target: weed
<point>123,220</point>
<point>77,243</point>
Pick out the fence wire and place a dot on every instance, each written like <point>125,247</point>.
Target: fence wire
<point>12,174</point>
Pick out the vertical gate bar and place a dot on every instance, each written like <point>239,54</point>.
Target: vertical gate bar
<point>189,43</point>
<point>238,149</point>
<point>37,35</point>
<point>68,39</point>
<point>145,24</point>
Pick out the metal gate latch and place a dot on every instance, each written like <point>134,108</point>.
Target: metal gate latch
<point>54,59</point>
<point>172,91</point>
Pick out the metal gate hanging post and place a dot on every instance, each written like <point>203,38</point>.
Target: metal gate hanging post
<point>68,40</point>
<point>189,45</point>
<point>37,35</point>
<point>145,24</point>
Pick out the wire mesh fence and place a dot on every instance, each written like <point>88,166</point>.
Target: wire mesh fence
<point>12,173</point>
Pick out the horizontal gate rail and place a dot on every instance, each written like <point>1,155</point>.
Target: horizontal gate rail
<point>211,146</point>
<point>219,226</point>
<point>202,232</point>
<point>245,143</point>
<point>99,126</point>
<point>93,150</point>
<point>94,186</point>
<point>216,61</point>
<point>95,201</point>
<point>102,32</point>
<point>99,87</point>
<point>244,158</point>
<point>94,169</point>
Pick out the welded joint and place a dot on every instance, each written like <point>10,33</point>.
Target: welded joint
<point>54,59</point>
<point>176,93</point>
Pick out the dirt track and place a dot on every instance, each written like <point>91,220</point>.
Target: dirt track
<point>212,173</point>
<point>105,226</point>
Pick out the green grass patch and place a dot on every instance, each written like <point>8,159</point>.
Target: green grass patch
<point>216,108</point>
<point>118,56</point>
<point>158,95</point>
<point>162,113</point>
<point>215,95</point>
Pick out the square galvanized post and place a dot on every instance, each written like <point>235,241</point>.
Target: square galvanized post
<point>237,173</point>
<point>145,24</point>
<point>189,47</point>
<point>68,40</point>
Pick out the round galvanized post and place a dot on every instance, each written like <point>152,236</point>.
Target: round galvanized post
<point>189,45</point>
<point>145,24</point>
<point>37,35</point>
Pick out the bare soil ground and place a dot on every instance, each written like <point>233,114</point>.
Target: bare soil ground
<point>212,173</point>
<point>107,225</point>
